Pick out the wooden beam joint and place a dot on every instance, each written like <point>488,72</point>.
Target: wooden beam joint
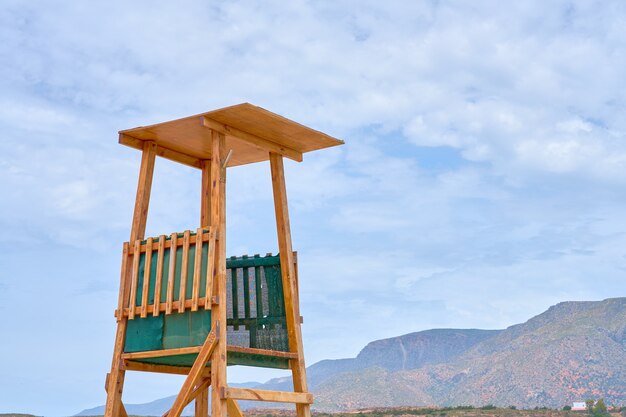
<point>250,138</point>
<point>166,153</point>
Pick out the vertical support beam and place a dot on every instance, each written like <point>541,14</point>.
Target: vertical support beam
<point>116,380</point>
<point>292,309</point>
<point>218,311</point>
<point>205,195</point>
<point>202,401</point>
<point>144,187</point>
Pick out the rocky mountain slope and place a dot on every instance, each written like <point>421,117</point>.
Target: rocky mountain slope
<point>409,351</point>
<point>573,351</point>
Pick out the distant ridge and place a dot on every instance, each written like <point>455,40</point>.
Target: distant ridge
<point>573,351</point>
<point>156,407</point>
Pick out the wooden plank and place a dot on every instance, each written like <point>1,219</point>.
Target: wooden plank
<point>123,412</point>
<point>161,151</point>
<point>233,408</point>
<point>292,310</point>
<point>195,349</point>
<point>218,313</point>
<point>138,228</point>
<point>265,395</point>
<point>259,291</point>
<point>159,276</point>
<point>205,194</point>
<point>196,371</point>
<point>146,280</point>
<point>264,352</point>
<point>168,244</point>
<point>123,279</point>
<point>163,307</point>
<point>182,293</point>
<point>113,404</point>
<point>297,285</point>
<point>134,280</point>
<point>246,293</point>
<point>211,269</point>
<point>197,268</point>
<point>257,141</point>
<point>171,274</point>
<point>162,369</point>
<point>234,278</point>
<point>202,403</point>
<point>161,352</point>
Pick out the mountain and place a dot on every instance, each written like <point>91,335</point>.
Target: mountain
<point>153,408</point>
<point>409,351</point>
<point>573,351</point>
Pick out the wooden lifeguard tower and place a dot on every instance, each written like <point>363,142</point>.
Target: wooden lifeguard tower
<point>184,308</point>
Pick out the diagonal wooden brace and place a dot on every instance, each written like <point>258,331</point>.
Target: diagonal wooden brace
<point>233,408</point>
<point>195,373</point>
<point>203,385</point>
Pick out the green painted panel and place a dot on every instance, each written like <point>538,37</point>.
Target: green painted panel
<point>178,360</point>
<point>186,329</point>
<point>238,358</point>
<point>144,334</point>
<point>234,358</point>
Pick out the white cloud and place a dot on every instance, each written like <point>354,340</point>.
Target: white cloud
<point>484,159</point>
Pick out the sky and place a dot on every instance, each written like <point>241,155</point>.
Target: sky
<point>482,179</point>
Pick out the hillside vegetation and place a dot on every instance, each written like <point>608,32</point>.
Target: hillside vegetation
<point>573,351</point>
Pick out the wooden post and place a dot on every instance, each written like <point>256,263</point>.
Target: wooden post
<point>205,195</point>
<point>292,309</point>
<point>137,231</point>
<point>202,401</point>
<point>218,311</point>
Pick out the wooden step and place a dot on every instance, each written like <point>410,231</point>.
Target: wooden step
<point>265,395</point>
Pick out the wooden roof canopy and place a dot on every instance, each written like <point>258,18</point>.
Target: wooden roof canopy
<point>251,133</point>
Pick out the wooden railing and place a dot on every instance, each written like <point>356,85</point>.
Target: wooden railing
<point>165,248</point>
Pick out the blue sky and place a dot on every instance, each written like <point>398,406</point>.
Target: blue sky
<point>482,178</point>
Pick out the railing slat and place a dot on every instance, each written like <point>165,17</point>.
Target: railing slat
<point>134,280</point>
<point>210,269</point>
<point>182,293</point>
<point>197,268</point>
<point>246,292</point>
<point>159,275</point>
<point>146,280</point>
<point>233,279</point>
<point>171,274</point>
<point>259,292</point>
<point>123,278</point>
